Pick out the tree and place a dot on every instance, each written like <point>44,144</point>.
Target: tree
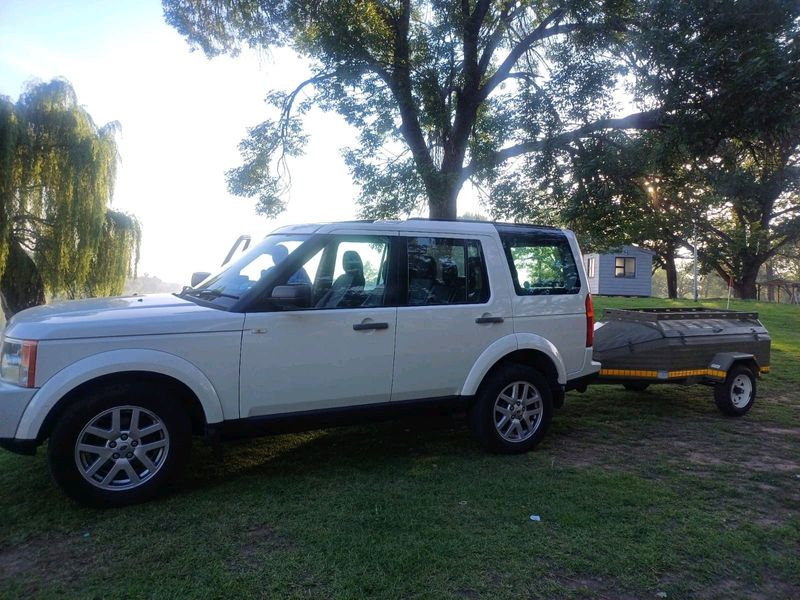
<point>441,91</point>
<point>722,173</point>
<point>730,75</point>
<point>56,181</point>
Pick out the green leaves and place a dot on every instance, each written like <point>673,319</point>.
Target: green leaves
<point>57,181</point>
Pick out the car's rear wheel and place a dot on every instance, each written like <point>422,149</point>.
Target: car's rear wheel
<point>735,395</point>
<point>120,445</point>
<point>513,409</point>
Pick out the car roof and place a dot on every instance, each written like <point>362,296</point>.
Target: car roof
<point>459,226</point>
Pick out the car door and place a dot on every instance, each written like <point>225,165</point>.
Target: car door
<point>453,308</point>
<point>336,351</point>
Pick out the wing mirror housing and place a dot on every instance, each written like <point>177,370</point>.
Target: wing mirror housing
<point>199,276</point>
<point>292,296</point>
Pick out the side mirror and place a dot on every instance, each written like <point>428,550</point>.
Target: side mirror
<point>199,276</point>
<point>292,296</point>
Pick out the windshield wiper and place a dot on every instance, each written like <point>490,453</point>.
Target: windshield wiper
<point>206,294</point>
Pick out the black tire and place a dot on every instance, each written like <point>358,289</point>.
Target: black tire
<point>482,413</point>
<point>155,407</point>
<point>732,398</point>
<point>636,386</point>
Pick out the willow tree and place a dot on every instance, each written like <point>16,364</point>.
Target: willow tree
<point>59,235</point>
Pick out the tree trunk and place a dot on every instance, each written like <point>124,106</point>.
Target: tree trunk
<point>21,286</point>
<point>746,286</point>
<point>443,196</point>
<point>672,275</point>
<point>770,277</point>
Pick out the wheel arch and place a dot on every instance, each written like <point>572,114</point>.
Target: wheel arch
<point>187,382</point>
<point>526,349</point>
<point>725,361</point>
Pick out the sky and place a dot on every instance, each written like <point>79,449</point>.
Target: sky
<point>182,117</point>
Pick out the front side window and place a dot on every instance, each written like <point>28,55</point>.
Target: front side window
<point>541,263</point>
<point>624,266</point>
<point>349,272</point>
<point>446,271</point>
<point>236,279</point>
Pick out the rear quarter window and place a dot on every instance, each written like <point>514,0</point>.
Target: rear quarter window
<point>541,264</point>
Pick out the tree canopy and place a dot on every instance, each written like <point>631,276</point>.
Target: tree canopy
<point>522,99</point>
<point>724,175</point>
<point>56,182</point>
<point>440,91</point>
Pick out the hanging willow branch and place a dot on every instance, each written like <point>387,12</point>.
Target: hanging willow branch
<point>57,174</point>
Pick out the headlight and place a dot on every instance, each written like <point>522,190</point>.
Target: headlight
<point>18,362</point>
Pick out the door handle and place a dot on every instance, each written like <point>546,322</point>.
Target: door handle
<point>365,326</point>
<point>489,320</point>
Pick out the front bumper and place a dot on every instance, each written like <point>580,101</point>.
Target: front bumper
<point>13,402</point>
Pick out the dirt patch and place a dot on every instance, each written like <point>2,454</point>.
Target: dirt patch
<point>698,457</point>
<point>781,431</point>
<point>256,543</point>
<point>52,557</point>
<point>771,464</point>
<point>594,587</point>
<point>731,588</point>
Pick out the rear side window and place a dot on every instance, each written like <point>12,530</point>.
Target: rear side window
<point>446,271</point>
<point>541,263</point>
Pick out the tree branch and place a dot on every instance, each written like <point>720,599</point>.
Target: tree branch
<point>399,82</point>
<point>652,119</point>
<point>542,31</point>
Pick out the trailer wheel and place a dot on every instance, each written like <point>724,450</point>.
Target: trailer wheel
<point>736,394</point>
<point>636,386</point>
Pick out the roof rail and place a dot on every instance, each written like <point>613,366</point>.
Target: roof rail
<point>503,223</point>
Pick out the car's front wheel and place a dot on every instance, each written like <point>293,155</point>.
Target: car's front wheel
<point>513,409</point>
<point>120,445</point>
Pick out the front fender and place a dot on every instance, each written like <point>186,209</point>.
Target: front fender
<point>505,346</point>
<point>108,363</point>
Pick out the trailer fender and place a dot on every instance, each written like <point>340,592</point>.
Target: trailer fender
<point>723,361</point>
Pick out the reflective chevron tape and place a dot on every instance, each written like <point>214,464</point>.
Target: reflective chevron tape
<point>637,373</point>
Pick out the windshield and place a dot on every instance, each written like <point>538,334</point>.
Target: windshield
<point>236,278</point>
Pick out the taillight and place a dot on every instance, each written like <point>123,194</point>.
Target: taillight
<point>589,321</point>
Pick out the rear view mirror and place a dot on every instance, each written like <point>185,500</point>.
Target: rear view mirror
<point>292,296</point>
<point>199,276</point>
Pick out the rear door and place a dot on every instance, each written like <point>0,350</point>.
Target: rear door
<point>549,299</point>
<point>452,306</point>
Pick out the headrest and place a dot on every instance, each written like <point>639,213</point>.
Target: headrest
<point>449,270</point>
<point>351,262</point>
<point>422,267</point>
<point>279,253</point>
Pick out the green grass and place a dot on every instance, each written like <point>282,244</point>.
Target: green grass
<point>639,493</point>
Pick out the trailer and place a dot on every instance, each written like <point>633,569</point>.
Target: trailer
<point>728,350</point>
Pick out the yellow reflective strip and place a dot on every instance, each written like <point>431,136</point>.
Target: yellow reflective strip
<point>670,374</point>
<point>628,373</point>
<point>764,369</point>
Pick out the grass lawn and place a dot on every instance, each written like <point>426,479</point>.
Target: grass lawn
<point>639,494</point>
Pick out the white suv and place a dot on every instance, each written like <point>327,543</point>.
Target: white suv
<point>317,324</point>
